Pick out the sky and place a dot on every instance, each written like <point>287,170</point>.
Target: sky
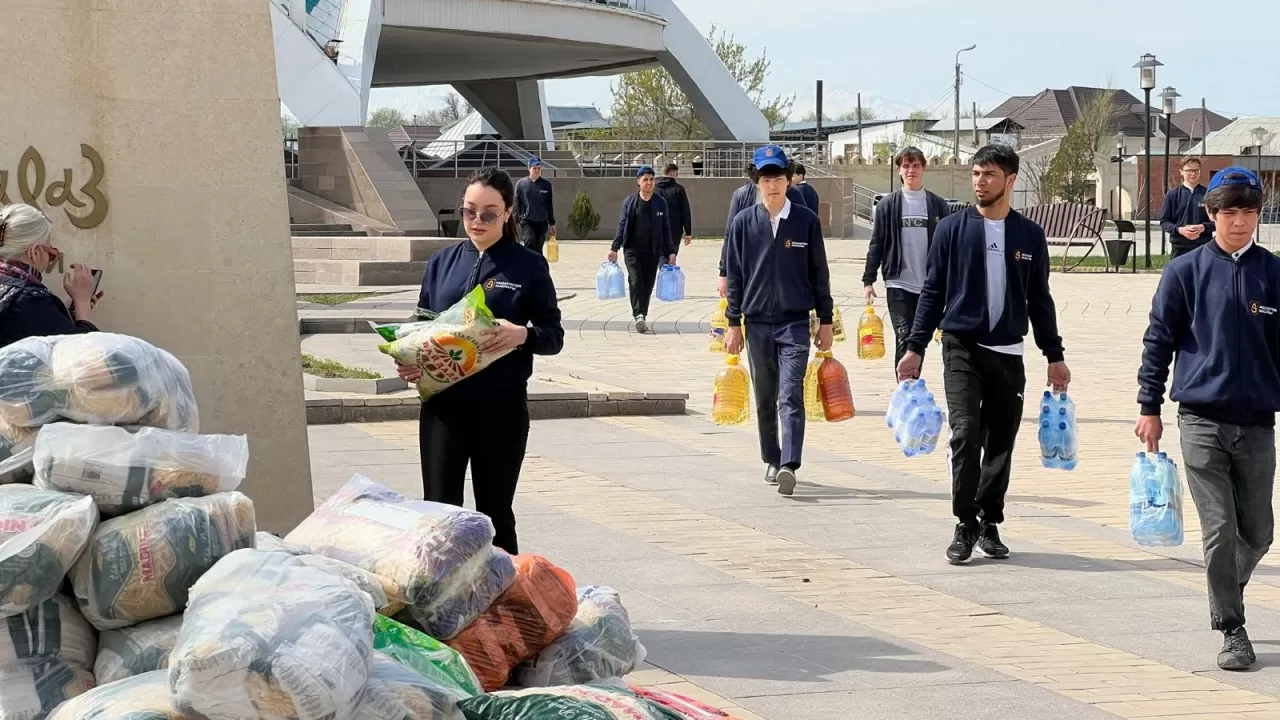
<point>900,54</point>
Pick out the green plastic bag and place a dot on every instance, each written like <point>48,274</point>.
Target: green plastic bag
<point>429,657</point>
<point>581,702</point>
<point>447,347</point>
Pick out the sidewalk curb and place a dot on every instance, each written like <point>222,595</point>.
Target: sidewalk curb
<point>542,406</point>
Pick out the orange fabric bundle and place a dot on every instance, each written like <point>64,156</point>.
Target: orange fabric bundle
<point>532,613</point>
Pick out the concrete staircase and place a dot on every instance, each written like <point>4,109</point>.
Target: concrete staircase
<point>325,230</point>
<point>335,257</point>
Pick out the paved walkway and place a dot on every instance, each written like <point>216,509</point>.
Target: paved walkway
<point>837,603</point>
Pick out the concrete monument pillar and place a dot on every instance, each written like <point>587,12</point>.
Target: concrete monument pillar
<point>150,134</point>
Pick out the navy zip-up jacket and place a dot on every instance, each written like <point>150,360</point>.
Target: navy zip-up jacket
<point>31,310</point>
<point>677,204</point>
<point>743,198</point>
<point>809,195</point>
<point>1221,317</point>
<point>517,288</point>
<point>955,290</point>
<point>777,279</point>
<point>662,243</point>
<point>1183,207</point>
<point>535,202</point>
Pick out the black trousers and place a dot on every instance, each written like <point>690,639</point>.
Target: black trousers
<point>492,437</point>
<point>534,235</point>
<point>902,313</point>
<point>984,402</point>
<point>642,275</point>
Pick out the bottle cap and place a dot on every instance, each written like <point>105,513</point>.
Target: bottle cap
<point>1142,455</point>
<point>731,360</point>
<point>1048,395</point>
<point>1162,455</point>
<point>1062,426</point>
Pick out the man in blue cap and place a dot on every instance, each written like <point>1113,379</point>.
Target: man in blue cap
<point>1218,310</point>
<point>535,208</point>
<point>743,198</point>
<point>644,236</point>
<point>776,272</point>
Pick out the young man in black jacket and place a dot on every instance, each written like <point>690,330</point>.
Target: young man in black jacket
<point>677,205</point>
<point>644,234</point>
<point>743,198</point>
<point>535,208</point>
<point>1218,309</point>
<point>988,276</point>
<point>905,222</point>
<point>807,191</point>
<point>777,273</point>
<point>1183,215</point>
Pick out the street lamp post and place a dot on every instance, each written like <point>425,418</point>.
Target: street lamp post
<point>955,158</point>
<point>1170,106</point>
<point>1147,65</point>
<point>1259,139</point>
<point>1119,208</point>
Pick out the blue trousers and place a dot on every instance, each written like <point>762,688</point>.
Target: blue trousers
<point>778,354</point>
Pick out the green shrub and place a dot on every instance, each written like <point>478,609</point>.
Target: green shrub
<point>583,219</point>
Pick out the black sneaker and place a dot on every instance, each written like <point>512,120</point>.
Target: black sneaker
<point>771,475</point>
<point>786,481</point>
<point>641,325</point>
<point>1237,651</point>
<point>961,549</point>
<point>989,543</point>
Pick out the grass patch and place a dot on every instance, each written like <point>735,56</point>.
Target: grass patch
<point>331,370</point>
<point>1098,261</point>
<point>335,298</point>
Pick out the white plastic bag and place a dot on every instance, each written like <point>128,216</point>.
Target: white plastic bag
<point>42,535</point>
<point>17,447</point>
<point>136,650</point>
<point>143,697</point>
<point>267,637</point>
<point>124,471</point>
<point>380,589</point>
<point>53,629</point>
<point>32,690</point>
<point>599,645</point>
<point>396,692</point>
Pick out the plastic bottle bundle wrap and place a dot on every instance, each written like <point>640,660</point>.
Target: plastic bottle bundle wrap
<point>125,471</point>
<point>96,378</point>
<point>267,637</point>
<point>446,348</point>
<point>528,617</point>
<point>143,697</point>
<point>135,650</point>
<point>396,692</point>
<point>598,702</point>
<point>379,588</point>
<point>440,557</point>
<point>141,566</point>
<point>42,535</point>
<point>599,645</point>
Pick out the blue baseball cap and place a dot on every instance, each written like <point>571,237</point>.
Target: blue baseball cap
<point>1235,175</point>
<point>769,155</point>
<point>535,162</point>
<point>645,170</point>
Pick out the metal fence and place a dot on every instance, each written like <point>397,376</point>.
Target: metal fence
<point>637,5</point>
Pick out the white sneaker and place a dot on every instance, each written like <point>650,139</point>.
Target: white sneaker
<point>641,325</point>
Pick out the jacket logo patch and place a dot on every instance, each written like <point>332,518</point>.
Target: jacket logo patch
<point>489,285</point>
<point>795,244</point>
<point>503,285</point>
<point>1019,255</point>
<point>1257,308</point>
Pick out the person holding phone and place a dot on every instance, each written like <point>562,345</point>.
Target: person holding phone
<point>27,306</point>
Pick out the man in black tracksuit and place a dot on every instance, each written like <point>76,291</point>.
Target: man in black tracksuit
<point>535,208</point>
<point>988,276</point>
<point>644,234</point>
<point>905,222</point>
<point>777,274</point>
<point>681,214</point>
<point>1183,216</point>
<point>1218,309</point>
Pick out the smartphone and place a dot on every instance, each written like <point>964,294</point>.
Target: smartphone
<point>97,280</point>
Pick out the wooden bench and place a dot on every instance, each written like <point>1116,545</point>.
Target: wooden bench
<point>1068,225</point>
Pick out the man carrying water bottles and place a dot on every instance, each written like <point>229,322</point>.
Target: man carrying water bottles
<point>644,236</point>
<point>776,269</point>
<point>988,275</point>
<point>1218,309</point>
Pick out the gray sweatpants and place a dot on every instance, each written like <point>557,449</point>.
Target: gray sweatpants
<point>1230,472</point>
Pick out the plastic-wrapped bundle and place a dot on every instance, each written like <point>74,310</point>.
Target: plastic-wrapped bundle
<point>440,557</point>
<point>124,471</point>
<point>687,707</point>
<point>599,645</point>
<point>532,613</point>
<point>17,447</point>
<point>97,378</point>
<point>446,348</point>
<point>54,629</point>
<point>143,697</point>
<point>135,650</point>
<point>267,637</point>
<point>32,690</point>
<point>425,655</point>
<point>597,702</point>
<point>380,589</point>
<point>397,693</point>
<point>140,566</point>
<point>42,534</point>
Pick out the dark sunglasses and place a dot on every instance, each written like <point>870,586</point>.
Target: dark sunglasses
<point>488,218</point>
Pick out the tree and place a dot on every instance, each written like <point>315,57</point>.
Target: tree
<point>583,219</point>
<point>1070,174</point>
<point>649,104</point>
<point>386,118</point>
<point>289,126</point>
<point>452,109</point>
<point>848,116</point>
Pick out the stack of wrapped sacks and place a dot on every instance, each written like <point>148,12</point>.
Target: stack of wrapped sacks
<point>440,558</point>
<point>598,645</point>
<point>380,590</point>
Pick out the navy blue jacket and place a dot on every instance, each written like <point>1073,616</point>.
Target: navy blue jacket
<point>1184,207</point>
<point>743,198</point>
<point>535,203</point>
<point>955,289</point>
<point>777,279</point>
<point>661,244</point>
<point>517,288</point>
<point>1222,319</point>
<point>810,196</point>
<point>31,310</point>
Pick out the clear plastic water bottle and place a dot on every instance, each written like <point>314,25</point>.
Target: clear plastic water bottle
<point>1141,474</point>
<point>1048,444</point>
<point>933,431</point>
<point>602,281</point>
<point>1067,459</point>
<point>896,401</point>
<point>914,429</point>
<point>617,282</point>
<point>1169,497</point>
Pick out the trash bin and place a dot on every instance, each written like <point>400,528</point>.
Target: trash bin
<point>1117,251</point>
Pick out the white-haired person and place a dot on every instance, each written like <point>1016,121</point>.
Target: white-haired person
<point>27,307</point>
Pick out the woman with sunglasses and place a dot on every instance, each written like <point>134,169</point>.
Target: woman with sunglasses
<point>484,419</point>
<point>27,307</point>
